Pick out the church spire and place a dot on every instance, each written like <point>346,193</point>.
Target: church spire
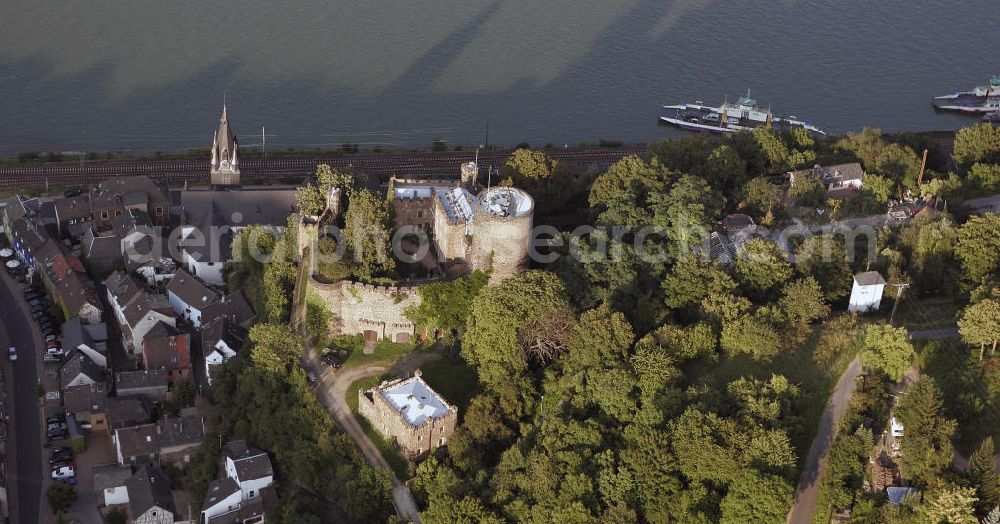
<point>225,166</point>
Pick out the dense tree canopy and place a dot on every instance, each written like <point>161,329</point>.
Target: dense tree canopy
<point>368,233</point>
<point>499,312</point>
<point>926,450</point>
<point>887,350</point>
<point>979,143</point>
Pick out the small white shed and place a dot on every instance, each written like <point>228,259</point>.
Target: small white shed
<point>866,295</point>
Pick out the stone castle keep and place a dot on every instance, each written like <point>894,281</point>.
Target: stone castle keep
<point>488,231</point>
<point>409,413</point>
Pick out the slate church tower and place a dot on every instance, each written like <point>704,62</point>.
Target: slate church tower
<point>225,154</point>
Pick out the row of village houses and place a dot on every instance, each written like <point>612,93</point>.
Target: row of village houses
<point>160,308</point>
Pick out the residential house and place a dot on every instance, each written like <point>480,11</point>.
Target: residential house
<point>223,497</point>
<point>100,251</point>
<point>87,402</point>
<point>150,383</point>
<point>233,307</point>
<point>89,338</point>
<point>840,180</point>
<point>136,444</point>
<point>150,499</point>
<point>79,369</point>
<point>30,242</point>
<point>180,437</point>
<point>738,223</point>
<point>72,212</point>
<point>110,483</point>
<point>17,207</point>
<point>112,197</point>
<point>136,310</point>
<point>170,440</point>
<point>220,341</point>
<point>189,297</point>
<point>250,468</point>
<point>71,288</point>
<point>866,293</point>
<point>140,240</point>
<point>209,218</point>
<point>170,351</point>
<point>249,511</point>
<point>245,493</point>
<point>125,412</point>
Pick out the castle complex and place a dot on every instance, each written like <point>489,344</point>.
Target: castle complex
<point>485,232</point>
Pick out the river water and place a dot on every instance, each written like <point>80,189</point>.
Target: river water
<point>151,74</point>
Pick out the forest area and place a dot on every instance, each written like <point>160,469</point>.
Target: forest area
<point>669,388</point>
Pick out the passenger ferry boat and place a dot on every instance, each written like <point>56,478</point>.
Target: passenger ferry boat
<point>744,115</point>
<point>982,99</point>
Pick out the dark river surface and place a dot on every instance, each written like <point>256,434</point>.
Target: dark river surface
<point>151,74</point>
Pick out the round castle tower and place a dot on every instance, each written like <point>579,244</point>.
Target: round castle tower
<point>501,229</point>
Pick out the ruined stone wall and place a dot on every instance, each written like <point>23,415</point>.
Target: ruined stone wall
<point>363,308</point>
<point>413,441</point>
<point>413,211</point>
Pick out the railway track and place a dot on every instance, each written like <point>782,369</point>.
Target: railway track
<point>380,165</point>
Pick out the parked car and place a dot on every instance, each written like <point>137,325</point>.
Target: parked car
<point>38,314</point>
<point>58,418</point>
<point>55,344</point>
<point>62,464</point>
<point>64,472</point>
<point>49,330</point>
<point>31,295</point>
<point>51,338</point>
<point>53,356</point>
<point>311,377</point>
<point>56,431</point>
<point>12,353</point>
<point>332,361</point>
<point>70,193</point>
<point>37,302</point>
<point>39,308</point>
<point>61,454</point>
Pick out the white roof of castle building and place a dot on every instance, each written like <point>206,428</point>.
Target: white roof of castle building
<point>506,202</point>
<point>457,203</point>
<point>415,400</point>
<point>412,191</point>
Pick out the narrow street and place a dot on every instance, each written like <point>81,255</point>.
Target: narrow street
<point>24,449</point>
<point>808,489</point>
<point>805,494</point>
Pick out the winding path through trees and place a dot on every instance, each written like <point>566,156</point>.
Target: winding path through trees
<point>331,391</point>
<point>808,489</point>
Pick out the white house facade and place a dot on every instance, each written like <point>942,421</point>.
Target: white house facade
<point>866,294</point>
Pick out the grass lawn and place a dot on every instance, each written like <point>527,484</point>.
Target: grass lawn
<point>385,350</point>
<point>398,464</point>
<point>917,314</point>
<point>455,380</point>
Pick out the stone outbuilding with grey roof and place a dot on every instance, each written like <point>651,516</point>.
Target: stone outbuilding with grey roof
<point>410,414</point>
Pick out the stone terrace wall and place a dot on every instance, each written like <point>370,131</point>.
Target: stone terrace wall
<point>362,308</point>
